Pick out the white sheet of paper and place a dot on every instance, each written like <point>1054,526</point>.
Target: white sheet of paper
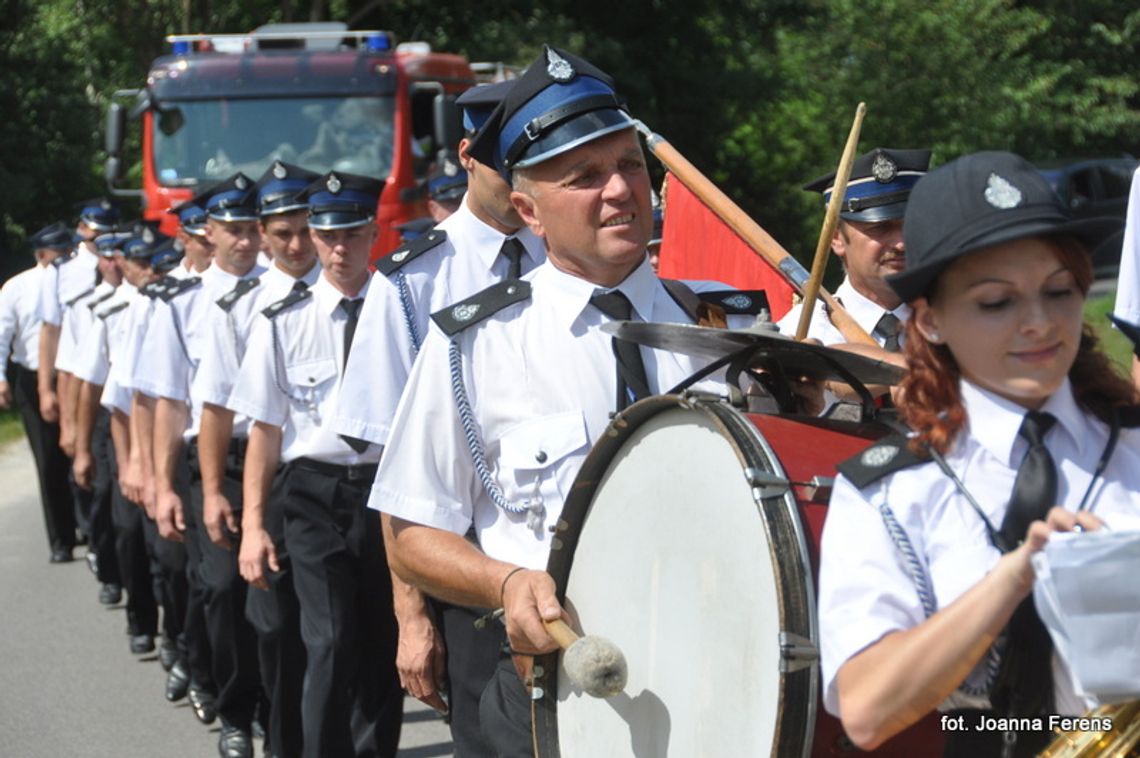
<point>1088,595</point>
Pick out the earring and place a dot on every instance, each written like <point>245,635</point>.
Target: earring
<point>935,337</point>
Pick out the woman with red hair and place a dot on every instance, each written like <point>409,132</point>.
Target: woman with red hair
<point>1020,428</point>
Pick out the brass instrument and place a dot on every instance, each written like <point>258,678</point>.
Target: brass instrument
<point>1121,741</point>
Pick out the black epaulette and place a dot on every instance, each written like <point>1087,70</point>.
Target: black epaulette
<point>100,300</point>
<point>156,288</point>
<point>886,456</point>
<point>112,310</point>
<point>392,262</point>
<point>59,261</point>
<point>1131,331</point>
<point>295,296</point>
<point>227,301</point>
<point>455,318</point>
<point>176,287</point>
<point>737,302</point>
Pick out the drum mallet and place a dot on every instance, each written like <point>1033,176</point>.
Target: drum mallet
<point>594,664</point>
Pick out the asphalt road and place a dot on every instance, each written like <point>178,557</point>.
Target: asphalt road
<point>69,686</point>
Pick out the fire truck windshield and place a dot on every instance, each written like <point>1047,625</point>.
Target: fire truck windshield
<point>207,140</point>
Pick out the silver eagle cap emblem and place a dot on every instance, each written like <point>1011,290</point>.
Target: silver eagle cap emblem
<point>1001,194</point>
<point>558,67</point>
<point>333,184</point>
<point>279,170</point>
<point>884,169</point>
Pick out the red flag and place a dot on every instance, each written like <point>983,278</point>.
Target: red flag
<point>697,244</point>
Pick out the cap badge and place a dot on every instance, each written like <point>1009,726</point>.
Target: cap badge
<point>105,204</point>
<point>333,184</point>
<point>279,170</point>
<point>240,182</point>
<point>878,456</point>
<point>397,257</point>
<point>1001,194</point>
<point>558,67</point>
<point>148,236</point>
<point>884,169</point>
<point>738,301</point>
<point>465,312</point>
<point>450,168</point>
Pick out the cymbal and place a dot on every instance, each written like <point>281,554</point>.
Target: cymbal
<point>769,350</point>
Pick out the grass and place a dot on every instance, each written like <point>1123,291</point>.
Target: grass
<point>10,426</point>
<point>1114,343</point>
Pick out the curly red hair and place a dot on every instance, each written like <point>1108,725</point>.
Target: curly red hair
<point>931,402</point>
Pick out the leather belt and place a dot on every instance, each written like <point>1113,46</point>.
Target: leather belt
<point>354,473</point>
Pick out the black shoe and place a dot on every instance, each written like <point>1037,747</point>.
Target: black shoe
<point>203,703</point>
<point>142,643</point>
<point>61,555</point>
<point>110,594</point>
<point>177,682</point>
<point>92,561</point>
<point>167,653</point>
<point>234,742</point>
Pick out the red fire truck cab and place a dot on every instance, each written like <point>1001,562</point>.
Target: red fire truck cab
<point>316,95</point>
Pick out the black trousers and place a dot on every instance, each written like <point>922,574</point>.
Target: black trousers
<point>276,617</point>
<point>96,506</point>
<point>196,638</point>
<point>52,467</point>
<point>472,657</point>
<point>134,563</point>
<point>233,643</point>
<point>352,702</point>
<point>504,713</point>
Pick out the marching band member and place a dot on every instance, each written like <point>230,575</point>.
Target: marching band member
<point>926,580</point>
<point>512,385</point>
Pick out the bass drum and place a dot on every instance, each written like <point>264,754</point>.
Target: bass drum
<point>690,539</point>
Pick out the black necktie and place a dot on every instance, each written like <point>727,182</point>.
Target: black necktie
<point>1025,684</point>
<point>889,326</point>
<point>351,308</point>
<point>632,383</point>
<point>513,251</point>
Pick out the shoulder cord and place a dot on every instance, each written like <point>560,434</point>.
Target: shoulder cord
<point>406,308</point>
<point>278,361</point>
<point>178,332</point>
<point>236,343</point>
<point>532,507</point>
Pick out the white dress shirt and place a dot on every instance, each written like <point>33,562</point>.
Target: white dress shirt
<point>222,354</point>
<point>865,589</point>
<point>541,378</point>
<point>103,342</point>
<point>291,374</point>
<point>19,317</point>
<point>382,351</point>
<point>175,339</point>
<point>1128,280</point>
<point>864,311</point>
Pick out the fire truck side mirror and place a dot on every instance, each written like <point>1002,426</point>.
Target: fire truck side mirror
<point>116,128</point>
<point>448,126</point>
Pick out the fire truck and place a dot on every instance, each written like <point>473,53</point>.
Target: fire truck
<point>316,95</point>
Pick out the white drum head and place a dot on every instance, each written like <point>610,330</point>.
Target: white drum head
<point>672,563</point>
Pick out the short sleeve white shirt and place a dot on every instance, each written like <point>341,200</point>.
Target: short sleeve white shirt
<point>291,374</point>
<point>865,589</point>
<point>541,379</point>
<point>1128,280</point>
<point>468,261</point>
<point>19,317</point>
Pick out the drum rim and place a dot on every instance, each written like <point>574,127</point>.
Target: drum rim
<point>800,690</point>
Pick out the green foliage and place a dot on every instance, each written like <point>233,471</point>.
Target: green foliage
<point>759,94</point>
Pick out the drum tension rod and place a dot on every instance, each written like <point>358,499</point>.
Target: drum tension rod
<point>765,484</point>
<point>796,652</point>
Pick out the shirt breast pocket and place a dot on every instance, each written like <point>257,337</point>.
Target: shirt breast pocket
<point>532,453</point>
<point>310,382</point>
